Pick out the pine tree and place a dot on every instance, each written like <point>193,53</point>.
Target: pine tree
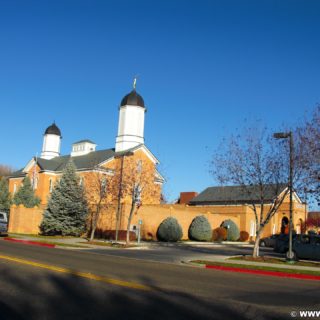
<point>67,208</point>
<point>5,196</point>
<point>25,195</point>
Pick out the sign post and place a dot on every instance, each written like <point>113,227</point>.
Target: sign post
<point>139,233</point>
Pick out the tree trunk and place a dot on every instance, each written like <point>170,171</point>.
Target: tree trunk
<point>94,223</point>
<point>256,243</point>
<point>129,221</point>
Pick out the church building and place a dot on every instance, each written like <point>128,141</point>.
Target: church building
<point>129,153</point>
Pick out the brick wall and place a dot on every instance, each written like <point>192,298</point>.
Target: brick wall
<point>25,220</point>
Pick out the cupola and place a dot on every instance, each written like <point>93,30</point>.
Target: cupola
<point>51,142</point>
<point>131,121</point>
<point>82,147</point>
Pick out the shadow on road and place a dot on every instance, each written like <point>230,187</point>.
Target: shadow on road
<point>38,294</point>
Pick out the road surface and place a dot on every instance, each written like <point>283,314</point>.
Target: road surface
<point>45,283</point>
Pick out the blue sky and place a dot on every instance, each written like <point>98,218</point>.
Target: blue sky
<point>204,67</point>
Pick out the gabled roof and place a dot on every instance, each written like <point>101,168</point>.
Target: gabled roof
<point>57,164</point>
<point>17,174</point>
<point>85,162</point>
<point>229,195</point>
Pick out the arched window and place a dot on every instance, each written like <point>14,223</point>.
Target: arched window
<point>139,166</point>
<point>252,228</point>
<point>50,185</point>
<point>35,184</point>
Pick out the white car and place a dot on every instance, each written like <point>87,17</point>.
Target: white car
<point>3,223</point>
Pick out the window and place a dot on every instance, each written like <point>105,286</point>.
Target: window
<point>139,166</point>
<point>252,228</point>
<point>81,181</point>
<point>14,188</point>
<point>35,183</point>
<point>50,185</point>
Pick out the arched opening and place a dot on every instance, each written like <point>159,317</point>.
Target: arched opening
<point>285,225</point>
<point>300,227</point>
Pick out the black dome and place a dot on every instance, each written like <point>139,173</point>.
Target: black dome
<point>53,129</point>
<point>133,99</point>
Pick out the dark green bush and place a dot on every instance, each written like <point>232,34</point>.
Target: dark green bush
<point>233,233</point>
<point>169,230</point>
<point>200,229</point>
<point>219,234</point>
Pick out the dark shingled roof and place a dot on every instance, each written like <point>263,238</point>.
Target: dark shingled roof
<point>87,161</point>
<point>133,99</point>
<point>17,174</point>
<point>53,129</point>
<point>236,195</point>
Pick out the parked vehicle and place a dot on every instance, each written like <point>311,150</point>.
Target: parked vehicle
<point>282,243</point>
<point>3,223</point>
<point>306,247</point>
<point>269,241</point>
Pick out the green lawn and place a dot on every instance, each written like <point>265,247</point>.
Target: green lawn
<point>276,261</point>
<point>109,244</point>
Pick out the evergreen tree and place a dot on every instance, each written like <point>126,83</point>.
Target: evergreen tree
<point>5,196</point>
<point>67,208</point>
<point>25,195</point>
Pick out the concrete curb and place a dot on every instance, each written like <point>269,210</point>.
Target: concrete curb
<point>193,264</point>
<point>35,243</point>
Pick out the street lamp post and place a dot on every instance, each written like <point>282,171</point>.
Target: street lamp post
<point>288,135</point>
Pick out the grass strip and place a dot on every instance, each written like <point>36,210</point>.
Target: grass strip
<point>256,267</point>
<point>109,244</point>
<point>280,261</point>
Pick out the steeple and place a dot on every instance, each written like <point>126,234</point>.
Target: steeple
<point>131,121</point>
<point>51,142</point>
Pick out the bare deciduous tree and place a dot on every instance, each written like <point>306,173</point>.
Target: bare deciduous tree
<point>137,180</point>
<point>258,164</point>
<point>5,170</point>
<point>308,140</point>
<point>99,189</point>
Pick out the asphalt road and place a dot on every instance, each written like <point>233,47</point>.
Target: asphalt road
<point>174,253</point>
<point>173,291</point>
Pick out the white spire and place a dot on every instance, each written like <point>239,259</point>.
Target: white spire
<point>131,121</point>
<point>51,142</point>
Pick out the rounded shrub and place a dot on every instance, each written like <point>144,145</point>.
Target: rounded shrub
<point>169,230</point>
<point>219,234</point>
<point>200,229</point>
<point>244,236</point>
<point>233,233</point>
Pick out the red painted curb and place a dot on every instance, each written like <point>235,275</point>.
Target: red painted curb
<point>35,243</point>
<point>265,272</point>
